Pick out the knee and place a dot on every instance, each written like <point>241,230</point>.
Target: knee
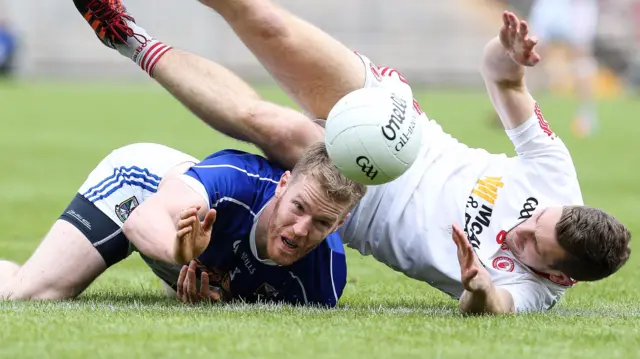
<point>168,291</point>
<point>262,20</point>
<point>7,270</point>
<point>20,294</point>
<point>22,290</point>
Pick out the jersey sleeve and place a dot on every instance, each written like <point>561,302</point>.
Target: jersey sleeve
<point>382,76</point>
<point>325,279</point>
<point>228,177</point>
<point>531,295</point>
<point>534,140</point>
<point>545,160</point>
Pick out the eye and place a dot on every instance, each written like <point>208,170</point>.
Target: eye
<point>325,223</point>
<point>298,206</point>
<point>535,244</point>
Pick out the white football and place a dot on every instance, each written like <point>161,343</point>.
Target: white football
<point>373,135</point>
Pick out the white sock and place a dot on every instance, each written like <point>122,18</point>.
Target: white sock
<point>143,49</point>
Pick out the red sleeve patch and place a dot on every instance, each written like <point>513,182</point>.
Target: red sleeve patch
<point>544,125</point>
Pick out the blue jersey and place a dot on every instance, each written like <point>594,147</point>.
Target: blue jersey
<point>7,45</point>
<point>238,186</point>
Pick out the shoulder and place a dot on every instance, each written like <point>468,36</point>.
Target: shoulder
<point>242,166</point>
<point>232,176</point>
<point>532,292</point>
<point>245,162</point>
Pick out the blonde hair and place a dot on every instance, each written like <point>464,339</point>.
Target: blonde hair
<point>315,163</point>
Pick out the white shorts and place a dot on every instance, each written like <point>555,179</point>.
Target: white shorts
<point>120,182</point>
<point>572,21</point>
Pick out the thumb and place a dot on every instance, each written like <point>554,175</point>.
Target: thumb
<point>470,274</point>
<point>209,219</point>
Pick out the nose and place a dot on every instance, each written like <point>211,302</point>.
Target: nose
<point>301,228</point>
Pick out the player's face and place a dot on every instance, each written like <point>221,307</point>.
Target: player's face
<point>303,217</point>
<point>534,242</point>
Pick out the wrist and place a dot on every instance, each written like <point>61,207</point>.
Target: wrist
<point>499,66</point>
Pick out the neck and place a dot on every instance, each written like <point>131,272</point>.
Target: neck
<point>262,228</point>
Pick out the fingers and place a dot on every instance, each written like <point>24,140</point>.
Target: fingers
<point>187,222</point>
<point>190,283</point>
<point>205,291</point>
<point>189,212</point>
<point>183,232</point>
<point>204,284</point>
<point>529,42</point>
<point>469,256</point>
<point>524,29</point>
<point>181,279</point>
<point>458,235</point>
<point>209,219</point>
<point>469,275</point>
<point>464,247</point>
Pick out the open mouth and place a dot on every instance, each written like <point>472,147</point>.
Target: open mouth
<point>289,243</point>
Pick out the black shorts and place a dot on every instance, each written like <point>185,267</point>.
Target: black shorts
<point>104,234</point>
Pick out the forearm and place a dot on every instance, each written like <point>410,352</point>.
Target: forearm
<point>499,69</point>
<point>493,301</point>
<point>214,94</point>
<point>229,105</point>
<point>155,238</point>
<point>315,69</point>
<point>504,80</point>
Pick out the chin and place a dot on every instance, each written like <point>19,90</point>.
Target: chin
<point>280,258</point>
<point>283,260</point>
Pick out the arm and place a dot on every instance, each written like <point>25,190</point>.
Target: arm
<point>151,227</point>
<point>480,295</point>
<point>505,59</point>
<point>493,300</point>
<point>313,67</point>
<point>229,105</point>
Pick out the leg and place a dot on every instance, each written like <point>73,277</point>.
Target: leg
<point>315,69</point>
<point>62,266</point>
<point>168,291</point>
<point>229,105</point>
<point>81,245</point>
<point>213,93</point>
<point>87,239</point>
<point>7,270</point>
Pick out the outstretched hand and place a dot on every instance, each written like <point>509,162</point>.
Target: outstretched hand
<point>475,277</point>
<point>193,236</point>
<point>187,288</point>
<point>514,36</point>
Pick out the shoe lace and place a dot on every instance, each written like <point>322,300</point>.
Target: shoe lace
<point>113,18</point>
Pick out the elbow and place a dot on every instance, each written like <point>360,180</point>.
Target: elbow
<point>281,133</point>
<point>131,225</point>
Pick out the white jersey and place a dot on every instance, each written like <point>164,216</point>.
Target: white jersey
<point>406,223</point>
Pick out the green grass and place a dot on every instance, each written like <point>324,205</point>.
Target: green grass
<point>52,136</point>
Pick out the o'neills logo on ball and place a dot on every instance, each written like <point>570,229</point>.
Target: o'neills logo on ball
<point>397,118</point>
<point>398,115</point>
<point>504,264</point>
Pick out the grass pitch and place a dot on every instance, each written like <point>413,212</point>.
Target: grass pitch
<point>52,136</point>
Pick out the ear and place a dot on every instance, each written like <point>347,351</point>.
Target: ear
<point>282,185</point>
